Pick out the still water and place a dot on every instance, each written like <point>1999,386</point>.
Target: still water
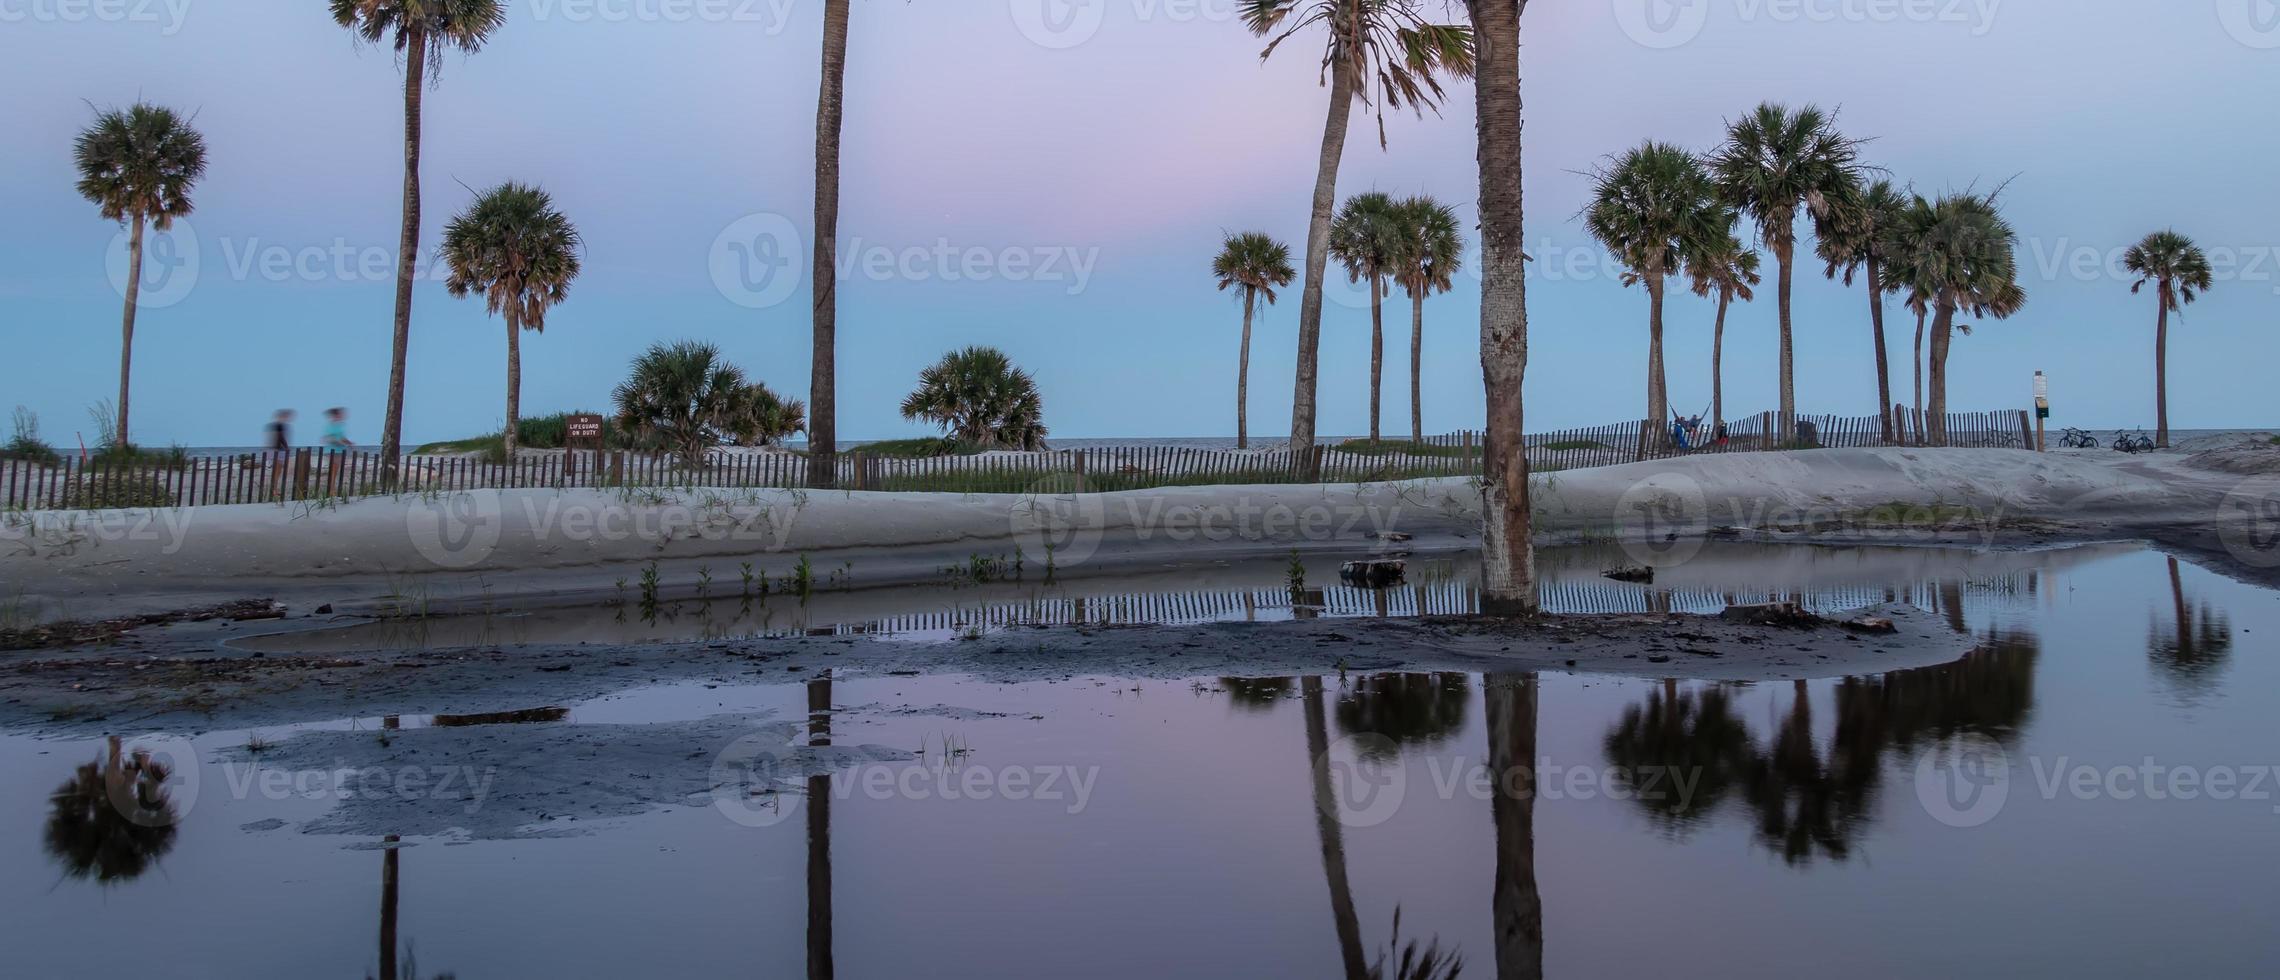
<point>2025,811</point>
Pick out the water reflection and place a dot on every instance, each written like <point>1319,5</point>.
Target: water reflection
<point>1406,709</point>
<point>2192,652</point>
<point>1256,693</point>
<point>819,937</point>
<point>1516,907</point>
<point>113,819</point>
<point>1694,732</point>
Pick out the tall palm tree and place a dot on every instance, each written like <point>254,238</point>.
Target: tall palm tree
<point>823,383</point>
<point>1652,208</point>
<point>1258,265</point>
<point>1508,553</point>
<point>1960,256</point>
<point>1432,253</point>
<point>514,249</point>
<point>1382,44</point>
<point>1777,162</point>
<point>2178,271</point>
<point>1364,239</point>
<point>137,165</point>
<point>1857,245</point>
<point>419,30</point>
<point>1727,270</point>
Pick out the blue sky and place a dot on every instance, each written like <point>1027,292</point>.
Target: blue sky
<point>1057,188</point>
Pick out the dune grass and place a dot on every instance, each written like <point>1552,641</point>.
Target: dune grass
<point>537,432</point>
<point>1403,447</point>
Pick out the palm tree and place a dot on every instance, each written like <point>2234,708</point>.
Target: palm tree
<point>1431,254</point>
<point>1258,265</point>
<point>759,417</point>
<point>514,249</point>
<point>1385,42</point>
<point>1775,163</point>
<point>418,29</point>
<point>1958,255</point>
<point>1727,270</point>
<point>2174,265</point>
<point>137,165</point>
<point>1331,835</point>
<point>1654,207</point>
<point>979,398</point>
<point>1365,240</point>
<point>112,820</point>
<point>682,398</point>
<point>1508,552</point>
<point>2195,654</point>
<point>1857,244</point>
<point>1516,904</point>
<point>820,959</point>
<point>823,383</point>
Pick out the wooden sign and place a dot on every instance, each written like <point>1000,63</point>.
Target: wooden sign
<point>586,428</point>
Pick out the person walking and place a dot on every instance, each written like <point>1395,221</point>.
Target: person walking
<point>280,443</point>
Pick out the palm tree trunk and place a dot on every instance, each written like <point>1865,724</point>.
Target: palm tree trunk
<point>407,249</point>
<point>1516,906</point>
<point>390,861</point>
<point>1935,421</point>
<point>1883,363</point>
<point>1302,408</point>
<point>823,389</point>
<point>1243,374</point>
<point>1785,251</point>
<point>1417,368</point>
<point>1717,363</point>
<point>1342,915</point>
<point>513,434</point>
<point>127,325</point>
<point>1377,351</point>
<point>2177,600</point>
<point>1658,396</point>
<point>819,932</point>
<point>2160,376</point>
<point>1918,364</point>
<point>1508,552</point>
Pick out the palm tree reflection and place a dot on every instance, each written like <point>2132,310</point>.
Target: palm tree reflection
<point>113,819</point>
<point>2193,653</point>
<point>1516,907</point>
<point>1256,693</point>
<point>819,938</point>
<point>1691,734</point>
<point>1407,709</point>
<point>1331,834</point>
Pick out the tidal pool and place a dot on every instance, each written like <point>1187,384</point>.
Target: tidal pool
<point>2089,794</point>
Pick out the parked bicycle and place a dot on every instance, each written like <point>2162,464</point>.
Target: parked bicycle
<point>2078,439</point>
<point>2132,444</point>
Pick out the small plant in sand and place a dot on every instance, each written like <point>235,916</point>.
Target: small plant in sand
<point>649,581</point>
<point>802,582</point>
<point>746,569</point>
<point>25,445</point>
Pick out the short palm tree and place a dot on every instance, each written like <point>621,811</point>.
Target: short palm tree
<point>1727,270</point>
<point>1653,207</point>
<point>1365,239</point>
<point>137,165</point>
<point>1776,163</point>
<point>761,418</point>
<point>1856,244</point>
<point>1257,265</point>
<point>981,399</point>
<point>1431,253</point>
<point>1956,254</point>
<point>2179,273</point>
<point>681,398</point>
<point>516,251</point>
<point>419,30</point>
<point>1385,46</point>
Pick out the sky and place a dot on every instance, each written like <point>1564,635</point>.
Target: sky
<point>1053,177</point>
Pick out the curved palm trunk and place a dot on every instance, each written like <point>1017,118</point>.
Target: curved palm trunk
<point>1302,410</point>
<point>513,435</point>
<point>1508,553</point>
<point>1516,906</point>
<point>2160,376</point>
<point>127,324</point>
<point>1417,368</point>
<point>1918,364</point>
<point>1718,363</point>
<point>1785,251</point>
<point>823,385</point>
<point>407,249</point>
<point>1343,917</point>
<point>1243,374</point>
<point>1377,351</point>
<point>1883,363</point>
<point>1656,434</point>
<point>1935,412</point>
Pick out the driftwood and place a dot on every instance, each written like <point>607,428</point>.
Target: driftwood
<point>1642,575</point>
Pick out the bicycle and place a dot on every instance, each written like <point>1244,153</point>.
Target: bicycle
<point>2077,439</point>
<point>2132,444</point>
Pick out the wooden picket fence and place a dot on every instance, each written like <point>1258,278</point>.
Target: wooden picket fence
<point>308,475</point>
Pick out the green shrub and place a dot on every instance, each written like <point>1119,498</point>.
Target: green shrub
<point>114,491</point>
<point>928,448</point>
<point>1573,446</point>
<point>26,446</point>
<point>1364,447</point>
<point>539,432</point>
<point>170,458</point>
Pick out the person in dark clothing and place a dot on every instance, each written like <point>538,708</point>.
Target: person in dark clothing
<point>281,431</point>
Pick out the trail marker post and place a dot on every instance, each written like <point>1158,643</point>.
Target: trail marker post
<point>2042,410</point>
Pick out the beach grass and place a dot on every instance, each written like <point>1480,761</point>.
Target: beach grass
<point>1404,447</point>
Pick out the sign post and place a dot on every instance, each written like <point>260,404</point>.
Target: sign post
<point>2042,411</point>
<point>585,431</point>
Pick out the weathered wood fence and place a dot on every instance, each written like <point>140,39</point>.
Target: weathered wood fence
<point>316,476</point>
